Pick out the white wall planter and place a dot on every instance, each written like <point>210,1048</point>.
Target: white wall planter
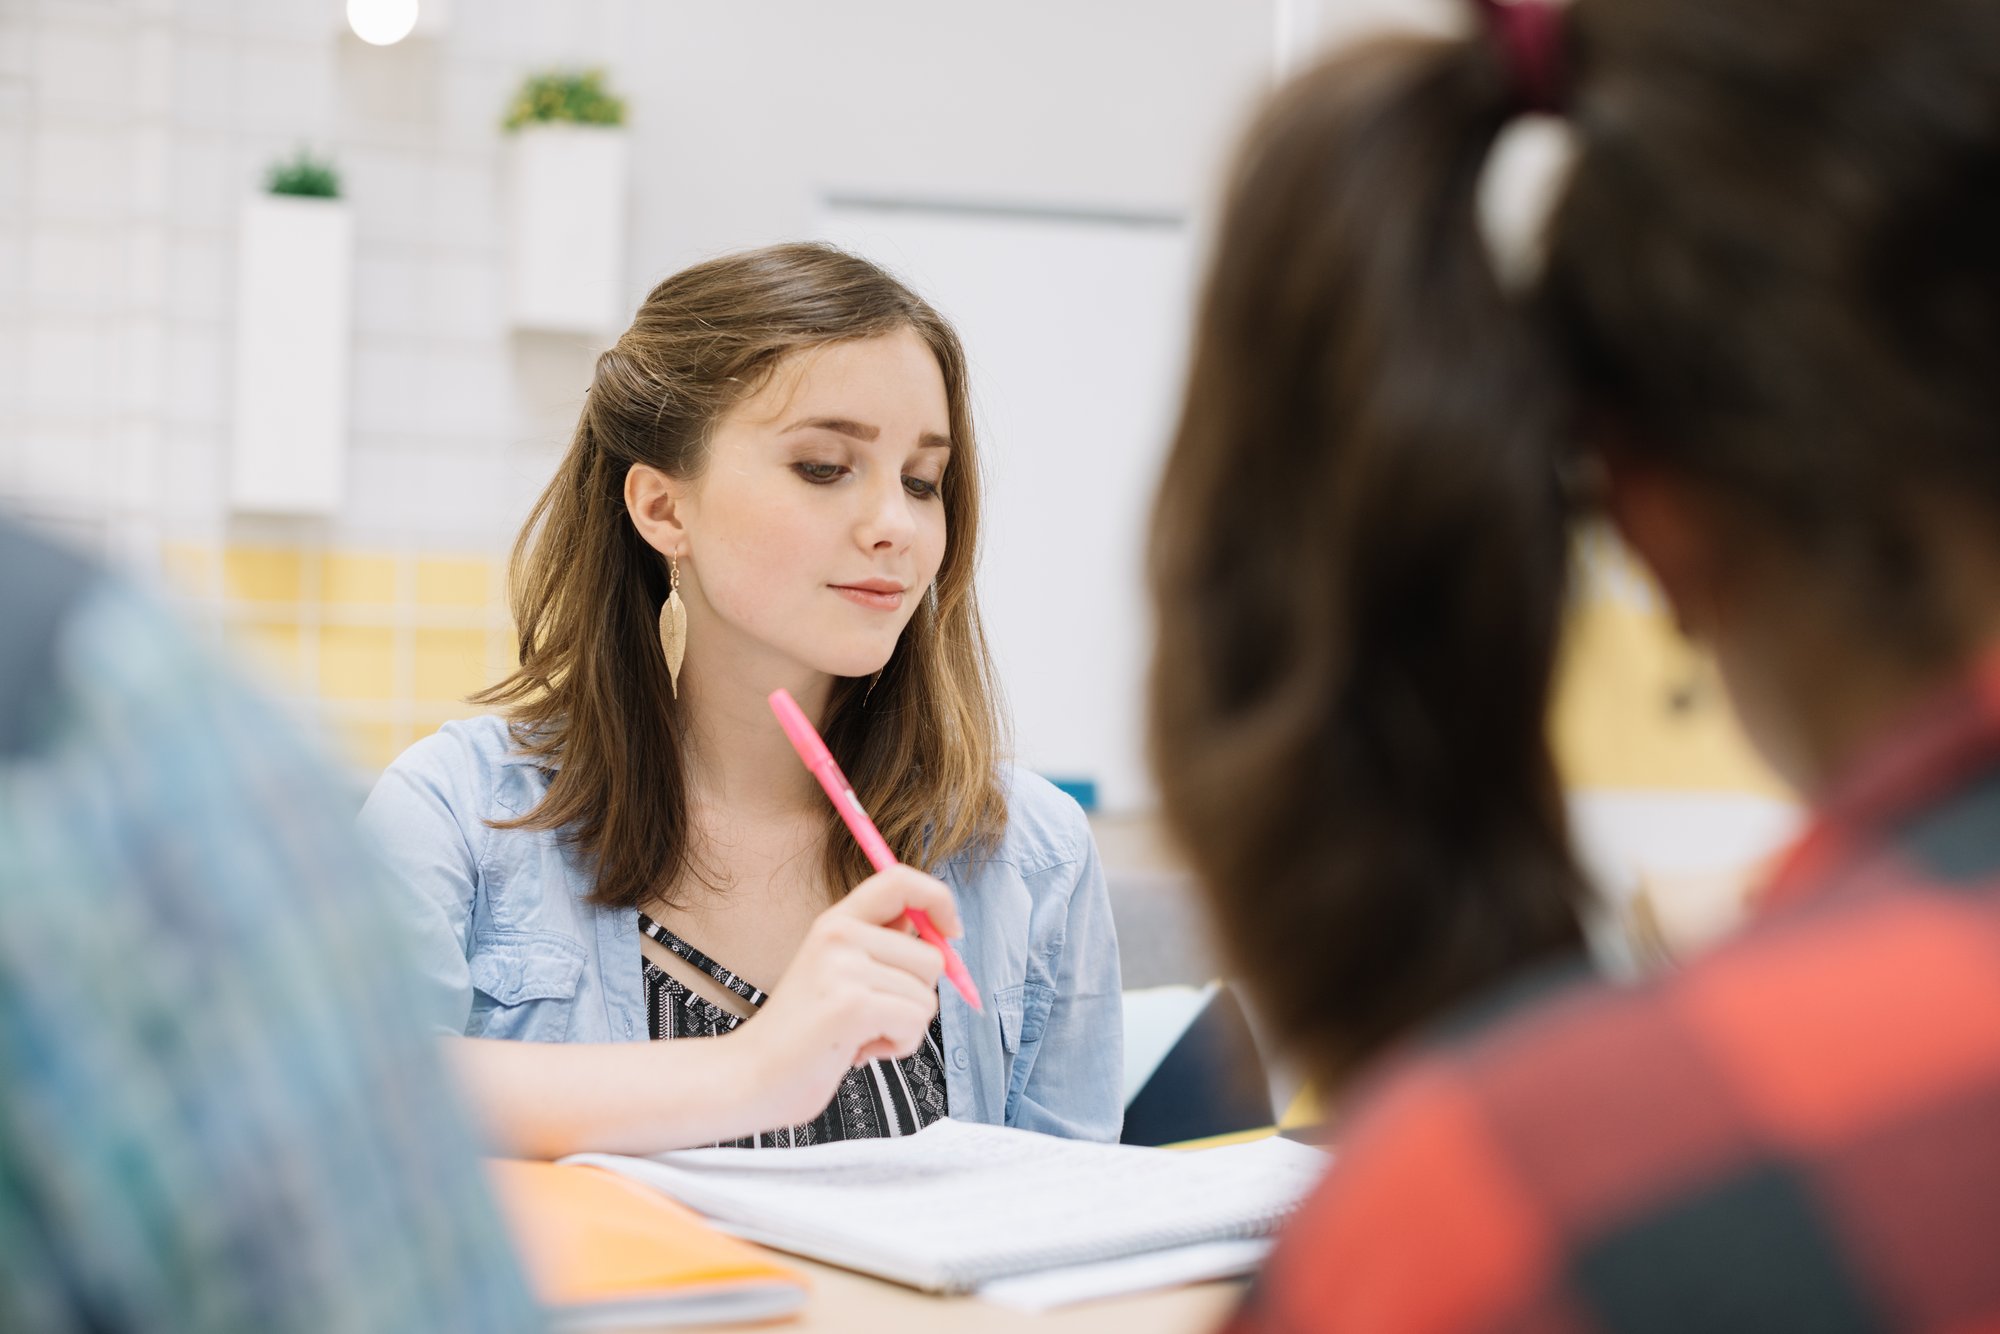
<point>567,231</point>
<point>294,335</point>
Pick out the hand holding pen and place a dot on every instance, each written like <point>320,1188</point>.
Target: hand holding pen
<point>859,989</point>
<point>820,762</point>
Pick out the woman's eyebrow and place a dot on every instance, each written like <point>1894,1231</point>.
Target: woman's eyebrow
<point>859,431</point>
<point>838,425</point>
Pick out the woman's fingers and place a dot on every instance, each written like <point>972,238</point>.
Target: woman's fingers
<point>858,991</point>
<point>896,950</point>
<point>887,1051</point>
<point>844,960</point>
<point>847,942</point>
<point>917,990</point>
<point>897,1025</point>
<point>887,895</point>
<point>861,989</point>
<point>878,1050</point>
<point>856,998</point>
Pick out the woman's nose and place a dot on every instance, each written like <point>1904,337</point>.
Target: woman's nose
<point>887,521</point>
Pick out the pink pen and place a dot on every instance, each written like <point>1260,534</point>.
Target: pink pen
<point>818,759</point>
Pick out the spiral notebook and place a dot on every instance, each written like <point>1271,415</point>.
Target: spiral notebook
<point>960,1204</point>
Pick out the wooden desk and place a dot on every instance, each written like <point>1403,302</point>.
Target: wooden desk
<point>849,1302</point>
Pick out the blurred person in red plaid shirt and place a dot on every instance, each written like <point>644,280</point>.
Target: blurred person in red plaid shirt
<point>1760,331</point>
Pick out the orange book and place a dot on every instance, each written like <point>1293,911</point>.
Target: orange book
<point>603,1251</point>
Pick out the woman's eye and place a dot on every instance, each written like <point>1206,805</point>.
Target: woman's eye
<point>818,472</point>
<point>920,488</point>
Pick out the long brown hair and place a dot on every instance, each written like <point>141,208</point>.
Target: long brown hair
<point>1773,271</point>
<point>591,695</point>
<point>1357,561</point>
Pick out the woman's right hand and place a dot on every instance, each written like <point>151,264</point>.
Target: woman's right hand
<point>862,987</point>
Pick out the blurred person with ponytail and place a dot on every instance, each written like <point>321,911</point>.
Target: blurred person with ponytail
<point>1762,340</point>
<point>773,483</point>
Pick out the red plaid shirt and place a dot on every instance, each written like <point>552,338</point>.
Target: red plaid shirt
<point>1799,1132</point>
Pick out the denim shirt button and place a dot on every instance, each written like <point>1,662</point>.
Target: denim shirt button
<point>958,1058</point>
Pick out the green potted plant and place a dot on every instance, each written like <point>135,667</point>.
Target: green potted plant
<point>294,321</point>
<point>303,176</point>
<point>568,172</point>
<point>565,97</point>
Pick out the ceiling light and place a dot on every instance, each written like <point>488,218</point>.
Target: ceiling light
<point>382,22</point>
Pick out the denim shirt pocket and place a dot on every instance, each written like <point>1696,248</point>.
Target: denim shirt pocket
<point>1007,1012</point>
<point>524,985</point>
<point>1023,1012</point>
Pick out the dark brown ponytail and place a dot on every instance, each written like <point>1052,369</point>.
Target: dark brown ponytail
<point>1358,565</point>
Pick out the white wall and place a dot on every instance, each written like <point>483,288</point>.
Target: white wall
<point>1106,104</point>
<point>1075,328</point>
<point>130,130</point>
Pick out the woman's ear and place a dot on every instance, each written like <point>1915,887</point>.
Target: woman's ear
<point>1661,518</point>
<point>653,499</point>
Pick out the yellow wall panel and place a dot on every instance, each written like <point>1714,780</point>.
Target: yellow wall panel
<point>450,664</point>
<point>502,654</point>
<point>385,644</point>
<point>357,663</point>
<point>1636,705</point>
<point>446,582</point>
<point>263,574</point>
<point>345,577</point>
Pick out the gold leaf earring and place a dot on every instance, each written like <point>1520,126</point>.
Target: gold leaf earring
<point>674,626</point>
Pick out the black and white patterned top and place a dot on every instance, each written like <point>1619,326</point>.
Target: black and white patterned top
<point>874,1101</point>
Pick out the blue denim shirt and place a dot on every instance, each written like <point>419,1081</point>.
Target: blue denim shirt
<point>510,948</point>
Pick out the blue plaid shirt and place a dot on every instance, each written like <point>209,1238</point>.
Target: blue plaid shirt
<point>217,1110</point>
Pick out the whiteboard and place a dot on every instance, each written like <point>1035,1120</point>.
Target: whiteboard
<point>1075,327</point>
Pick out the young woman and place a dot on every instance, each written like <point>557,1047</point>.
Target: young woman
<point>1764,337</point>
<point>773,483</point>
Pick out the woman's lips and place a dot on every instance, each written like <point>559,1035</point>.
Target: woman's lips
<point>879,599</point>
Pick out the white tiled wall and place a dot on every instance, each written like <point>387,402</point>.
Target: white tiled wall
<point>131,130</point>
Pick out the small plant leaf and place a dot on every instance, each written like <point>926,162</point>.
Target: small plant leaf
<point>577,98</point>
<point>303,174</point>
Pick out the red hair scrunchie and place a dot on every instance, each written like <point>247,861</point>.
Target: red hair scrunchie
<point>1531,39</point>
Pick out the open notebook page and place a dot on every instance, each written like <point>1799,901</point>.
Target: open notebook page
<point>960,1203</point>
